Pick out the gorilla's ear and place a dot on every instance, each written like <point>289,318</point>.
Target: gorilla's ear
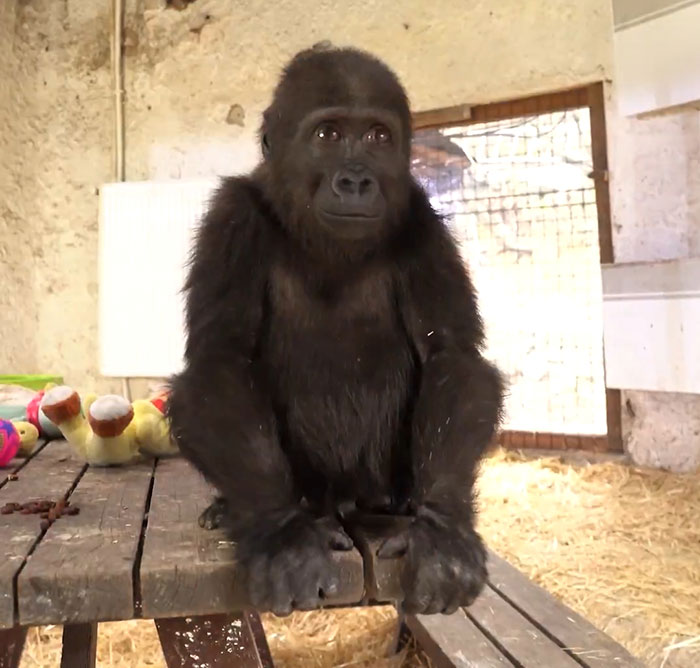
<point>265,142</point>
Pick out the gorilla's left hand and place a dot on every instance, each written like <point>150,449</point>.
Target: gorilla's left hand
<point>444,565</point>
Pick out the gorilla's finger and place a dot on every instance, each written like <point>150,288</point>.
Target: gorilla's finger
<point>280,592</point>
<point>396,546</point>
<point>258,583</point>
<point>451,601</point>
<point>339,540</point>
<point>329,585</point>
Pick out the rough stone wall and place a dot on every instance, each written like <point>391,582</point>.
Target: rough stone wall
<point>56,126</point>
<point>186,73</point>
<point>655,192</point>
<point>16,248</point>
<point>186,70</point>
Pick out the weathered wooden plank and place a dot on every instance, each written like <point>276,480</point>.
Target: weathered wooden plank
<point>79,645</point>
<point>8,473</point>
<point>522,641</point>
<point>49,475</point>
<point>215,641</point>
<point>82,571</point>
<point>258,632</point>
<point>453,641</point>
<point>588,644</point>
<point>186,570</point>
<point>11,646</point>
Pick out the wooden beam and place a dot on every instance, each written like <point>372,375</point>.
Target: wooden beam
<point>442,117</point>
<point>216,641</point>
<point>79,645</point>
<point>11,646</point>
<point>599,151</point>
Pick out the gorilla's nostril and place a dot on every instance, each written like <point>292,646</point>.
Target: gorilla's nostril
<point>366,185</point>
<point>353,182</point>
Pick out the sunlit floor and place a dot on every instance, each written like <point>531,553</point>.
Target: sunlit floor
<point>619,545</point>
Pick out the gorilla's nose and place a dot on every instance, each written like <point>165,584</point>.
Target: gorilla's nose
<point>355,183</point>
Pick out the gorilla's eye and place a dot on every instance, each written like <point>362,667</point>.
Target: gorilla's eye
<point>328,132</point>
<point>379,134</point>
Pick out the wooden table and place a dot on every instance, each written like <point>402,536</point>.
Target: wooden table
<point>136,551</point>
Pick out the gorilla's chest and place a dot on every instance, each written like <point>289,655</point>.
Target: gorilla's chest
<point>325,342</point>
<point>338,363</point>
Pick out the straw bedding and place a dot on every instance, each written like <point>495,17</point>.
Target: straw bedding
<point>617,544</point>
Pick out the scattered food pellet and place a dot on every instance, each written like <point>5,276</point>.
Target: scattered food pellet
<point>48,510</point>
<point>12,477</point>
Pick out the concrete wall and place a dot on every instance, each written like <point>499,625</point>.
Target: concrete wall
<point>655,192</point>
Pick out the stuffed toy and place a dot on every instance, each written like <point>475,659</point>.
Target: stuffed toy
<point>108,430</point>
<point>23,404</point>
<point>16,438</point>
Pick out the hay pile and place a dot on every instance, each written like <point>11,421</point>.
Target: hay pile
<point>619,545</point>
<point>347,638</point>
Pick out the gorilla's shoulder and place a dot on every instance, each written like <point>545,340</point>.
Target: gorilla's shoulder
<point>238,199</point>
<point>236,222</point>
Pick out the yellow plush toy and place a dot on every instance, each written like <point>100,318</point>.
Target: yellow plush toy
<point>108,430</point>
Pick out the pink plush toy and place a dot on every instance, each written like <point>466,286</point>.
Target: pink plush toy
<point>16,437</point>
<point>9,441</point>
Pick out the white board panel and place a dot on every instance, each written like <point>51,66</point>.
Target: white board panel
<point>651,322</point>
<point>146,230</point>
<point>657,54</point>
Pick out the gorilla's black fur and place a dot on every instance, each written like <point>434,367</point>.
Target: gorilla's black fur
<point>334,348</point>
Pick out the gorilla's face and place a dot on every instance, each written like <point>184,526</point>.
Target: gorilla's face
<point>352,166</point>
<point>337,144</point>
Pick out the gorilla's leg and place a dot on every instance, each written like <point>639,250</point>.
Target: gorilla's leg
<point>222,423</point>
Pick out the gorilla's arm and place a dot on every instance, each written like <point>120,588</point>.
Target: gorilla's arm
<point>220,414</point>
<point>460,396</point>
<point>456,411</point>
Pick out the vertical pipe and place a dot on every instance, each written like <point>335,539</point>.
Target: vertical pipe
<point>118,80</point>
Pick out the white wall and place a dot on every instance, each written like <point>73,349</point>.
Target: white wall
<point>655,192</point>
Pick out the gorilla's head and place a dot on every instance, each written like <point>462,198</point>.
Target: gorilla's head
<point>336,141</point>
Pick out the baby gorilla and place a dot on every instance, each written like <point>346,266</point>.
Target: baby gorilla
<point>333,355</point>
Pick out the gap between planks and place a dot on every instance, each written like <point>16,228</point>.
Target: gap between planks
<point>138,597</point>
<point>83,568</point>
<point>50,473</point>
<point>8,478</point>
<point>35,545</point>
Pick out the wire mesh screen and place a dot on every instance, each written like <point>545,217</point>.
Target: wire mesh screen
<point>521,204</point>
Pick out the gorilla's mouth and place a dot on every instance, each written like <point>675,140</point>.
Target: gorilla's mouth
<point>351,225</point>
<point>350,215</point>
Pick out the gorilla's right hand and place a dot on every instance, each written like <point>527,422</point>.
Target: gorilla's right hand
<point>287,561</point>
